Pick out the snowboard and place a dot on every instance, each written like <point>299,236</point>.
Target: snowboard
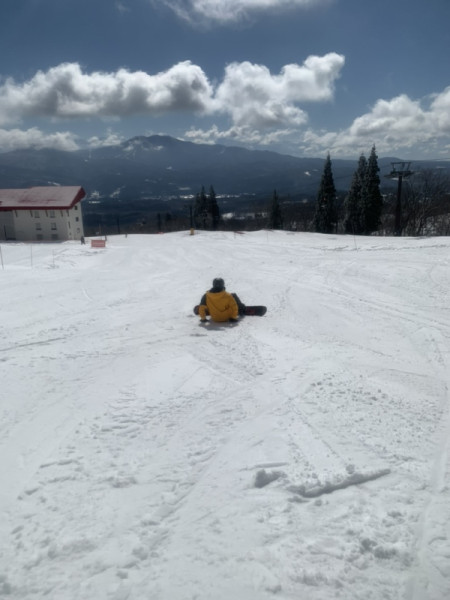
<point>254,311</point>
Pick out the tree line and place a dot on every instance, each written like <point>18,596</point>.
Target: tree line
<point>365,209</point>
<point>362,206</point>
<point>206,212</point>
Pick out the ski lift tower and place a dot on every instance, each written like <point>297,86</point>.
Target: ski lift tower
<point>400,171</point>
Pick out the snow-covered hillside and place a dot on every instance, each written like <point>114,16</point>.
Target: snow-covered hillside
<point>301,455</point>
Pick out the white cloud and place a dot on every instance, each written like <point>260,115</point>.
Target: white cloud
<point>256,98</point>
<point>65,91</point>
<point>440,108</point>
<point>111,139</point>
<point>260,105</point>
<point>252,97</point>
<point>17,139</point>
<point>237,134</point>
<point>228,11</point>
<point>260,108</point>
<point>398,124</point>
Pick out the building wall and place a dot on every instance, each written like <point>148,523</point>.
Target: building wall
<point>7,228</point>
<point>43,225</point>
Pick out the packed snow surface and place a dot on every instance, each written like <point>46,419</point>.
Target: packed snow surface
<point>299,455</point>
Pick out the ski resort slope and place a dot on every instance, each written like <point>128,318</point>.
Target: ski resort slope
<point>303,454</point>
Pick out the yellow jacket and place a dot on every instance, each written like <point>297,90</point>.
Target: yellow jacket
<point>220,305</point>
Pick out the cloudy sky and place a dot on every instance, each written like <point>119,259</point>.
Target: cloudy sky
<point>302,77</point>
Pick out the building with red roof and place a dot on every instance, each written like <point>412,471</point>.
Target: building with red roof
<point>50,213</point>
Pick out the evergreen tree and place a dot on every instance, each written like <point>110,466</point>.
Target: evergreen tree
<point>213,208</point>
<point>201,209</point>
<point>276,215</point>
<point>325,218</point>
<point>373,200</point>
<point>355,199</point>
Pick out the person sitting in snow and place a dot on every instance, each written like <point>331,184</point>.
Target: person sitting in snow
<point>219,304</point>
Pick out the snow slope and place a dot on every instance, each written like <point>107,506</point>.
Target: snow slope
<point>304,454</point>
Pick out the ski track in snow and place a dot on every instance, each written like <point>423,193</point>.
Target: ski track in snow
<point>299,455</point>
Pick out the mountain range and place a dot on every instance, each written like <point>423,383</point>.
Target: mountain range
<point>162,167</point>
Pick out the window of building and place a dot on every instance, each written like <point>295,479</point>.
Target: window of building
<point>54,236</point>
<point>36,214</point>
<point>77,218</point>
<point>38,226</point>
<point>76,207</point>
<point>52,214</point>
<point>52,225</point>
<point>39,236</point>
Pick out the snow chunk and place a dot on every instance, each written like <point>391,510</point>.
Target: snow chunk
<point>264,477</point>
<point>339,483</point>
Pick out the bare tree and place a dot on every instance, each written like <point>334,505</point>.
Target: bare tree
<point>426,203</point>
